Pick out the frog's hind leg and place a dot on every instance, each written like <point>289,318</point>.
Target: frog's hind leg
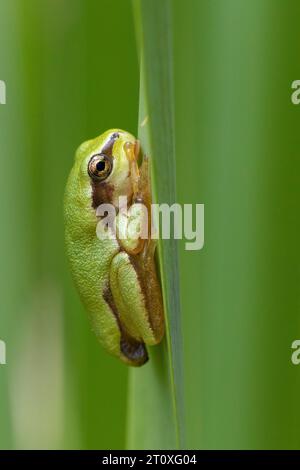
<point>131,351</point>
<point>128,293</point>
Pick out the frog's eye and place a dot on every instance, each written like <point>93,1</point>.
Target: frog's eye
<point>100,167</point>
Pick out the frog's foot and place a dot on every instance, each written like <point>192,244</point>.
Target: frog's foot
<point>134,352</point>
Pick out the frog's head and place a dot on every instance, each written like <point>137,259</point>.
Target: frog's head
<point>103,168</point>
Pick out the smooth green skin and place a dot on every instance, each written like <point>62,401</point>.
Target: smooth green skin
<point>96,263</point>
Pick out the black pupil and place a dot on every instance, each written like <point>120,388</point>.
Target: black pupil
<point>100,165</point>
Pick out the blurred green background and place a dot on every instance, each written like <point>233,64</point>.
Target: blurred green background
<point>71,70</point>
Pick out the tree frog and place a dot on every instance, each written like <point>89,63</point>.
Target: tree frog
<point>116,277</point>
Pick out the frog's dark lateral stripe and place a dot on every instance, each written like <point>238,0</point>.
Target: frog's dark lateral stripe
<point>102,192</point>
<point>109,145</point>
<point>134,350</point>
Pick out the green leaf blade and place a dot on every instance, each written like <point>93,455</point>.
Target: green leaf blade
<point>156,402</point>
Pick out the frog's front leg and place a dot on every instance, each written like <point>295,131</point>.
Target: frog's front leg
<point>134,224</point>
